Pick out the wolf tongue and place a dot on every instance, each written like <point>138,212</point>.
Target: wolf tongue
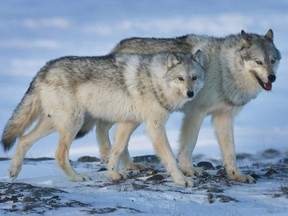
<point>268,86</point>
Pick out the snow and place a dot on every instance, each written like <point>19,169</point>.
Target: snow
<point>33,32</point>
<point>136,195</point>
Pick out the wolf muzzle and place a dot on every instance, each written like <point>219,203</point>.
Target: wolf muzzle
<point>190,94</point>
<point>271,78</point>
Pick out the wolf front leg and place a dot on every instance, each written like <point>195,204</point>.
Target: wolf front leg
<point>157,133</point>
<point>191,124</point>
<point>223,123</point>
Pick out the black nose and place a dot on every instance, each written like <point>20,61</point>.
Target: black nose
<point>190,94</point>
<point>271,78</point>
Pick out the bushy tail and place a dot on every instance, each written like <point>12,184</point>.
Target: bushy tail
<point>24,115</point>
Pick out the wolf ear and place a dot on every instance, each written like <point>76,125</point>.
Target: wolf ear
<point>198,56</point>
<point>173,60</point>
<point>246,37</point>
<point>269,35</point>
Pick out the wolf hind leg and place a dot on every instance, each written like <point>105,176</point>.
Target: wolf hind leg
<point>67,131</point>
<point>223,123</point>
<point>102,131</point>
<point>42,129</point>
<point>127,161</point>
<point>125,158</point>
<point>157,133</point>
<point>122,134</point>
<point>102,134</point>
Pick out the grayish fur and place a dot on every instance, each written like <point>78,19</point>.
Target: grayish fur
<point>69,93</point>
<point>238,67</point>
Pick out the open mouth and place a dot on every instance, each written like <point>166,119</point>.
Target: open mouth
<point>266,86</point>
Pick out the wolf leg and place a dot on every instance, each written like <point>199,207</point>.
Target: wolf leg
<point>157,133</point>
<point>102,132</point>
<point>188,137</point>
<point>42,129</point>
<point>68,126</point>
<point>122,133</point>
<point>125,158</point>
<point>128,162</point>
<point>223,123</point>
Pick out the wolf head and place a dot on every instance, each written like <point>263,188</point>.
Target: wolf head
<point>260,58</point>
<point>185,74</point>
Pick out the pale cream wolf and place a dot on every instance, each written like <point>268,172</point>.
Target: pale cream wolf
<point>237,68</point>
<point>69,91</point>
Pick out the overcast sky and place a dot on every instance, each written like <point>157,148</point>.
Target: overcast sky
<point>33,32</point>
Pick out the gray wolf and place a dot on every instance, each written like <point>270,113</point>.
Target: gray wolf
<point>238,67</point>
<point>116,88</point>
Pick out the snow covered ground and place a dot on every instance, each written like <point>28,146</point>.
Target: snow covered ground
<point>42,189</point>
<point>33,32</point>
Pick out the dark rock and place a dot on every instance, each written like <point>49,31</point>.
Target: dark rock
<point>255,176</point>
<point>149,171</point>
<point>146,159</point>
<point>205,165</point>
<point>284,190</point>
<point>225,199</point>
<point>29,199</point>
<point>138,186</point>
<point>221,172</point>
<point>75,203</point>
<point>102,169</point>
<point>285,161</point>
<point>155,178</point>
<point>37,200</point>
<point>270,153</point>
<point>270,172</point>
<point>88,159</point>
<point>222,198</point>
<point>243,156</point>
<point>276,195</point>
<point>38,159</point>
<point>94,211</point>
<point>215,190</point>
<point>219,167</point>
<point>210,198</point>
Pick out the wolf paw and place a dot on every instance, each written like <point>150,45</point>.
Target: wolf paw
<point>185,182</point>
<point>105,159</point>
<point>79,178</point>
<point>238,177</point>
<point>134,166</point>
<point>114,176</point>
<point>13,172</point>
<point>195,171</point>
<point>182,180</point>
<point>189,183</point>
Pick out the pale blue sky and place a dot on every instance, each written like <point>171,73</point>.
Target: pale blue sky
<point>34,31</point>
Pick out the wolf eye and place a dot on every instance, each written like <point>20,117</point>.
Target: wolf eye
<point>273,61</point>
<point>180,78</point>
<point>194,78</point>
<point>258,62</point>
